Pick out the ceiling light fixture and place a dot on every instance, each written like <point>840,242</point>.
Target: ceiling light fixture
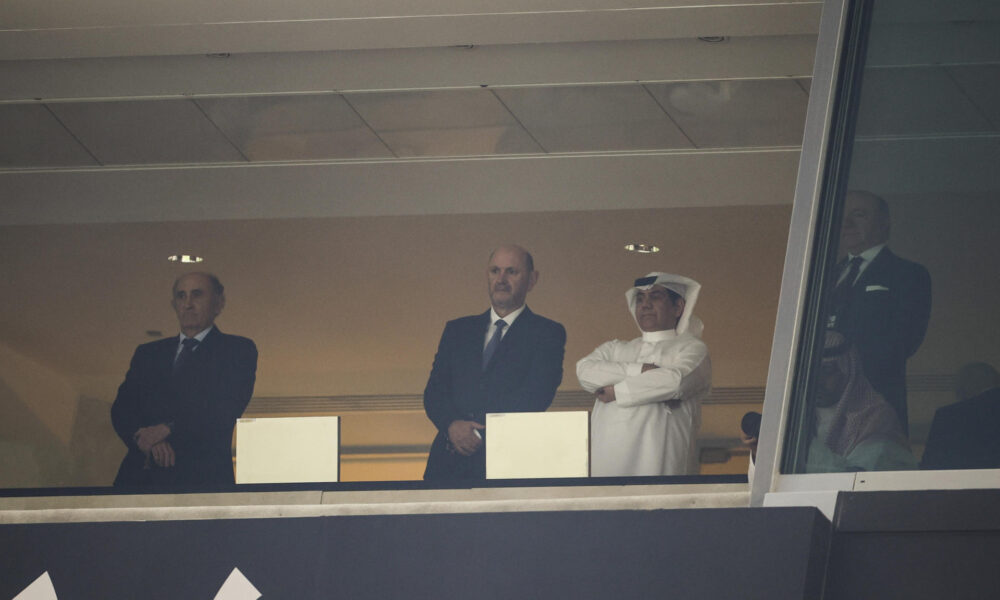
<point>642,248</point>
<point>713,39</point>
<point>185,258</point>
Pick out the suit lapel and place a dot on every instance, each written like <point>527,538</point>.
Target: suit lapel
<point>875,270</point>
<point>476,340</point>
<point>166,354</point>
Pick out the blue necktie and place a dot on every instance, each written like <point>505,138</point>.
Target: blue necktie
<point>189,344</point>
<point>494,343</point>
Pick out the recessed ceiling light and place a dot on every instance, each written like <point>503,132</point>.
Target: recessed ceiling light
<point>642,248</point>
<point>185,258</point>
<point>713,39</point>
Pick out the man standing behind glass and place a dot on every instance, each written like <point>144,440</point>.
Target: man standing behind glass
<point>649,390</point>
<point>507,359</point>
<point>181,397</point>
<point>880,302</point>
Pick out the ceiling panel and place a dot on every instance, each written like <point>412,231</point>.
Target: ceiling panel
<point>915,101</point>
<point>141,132</point>
<point>294,127</point>
<point>716,114</point>
<point>32,137</point>
<point>443,123</point>
<point>982,84</point>
<point>593,118</point>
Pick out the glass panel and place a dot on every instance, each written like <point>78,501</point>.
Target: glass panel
<point>897,371</point>
<point>344,273</point>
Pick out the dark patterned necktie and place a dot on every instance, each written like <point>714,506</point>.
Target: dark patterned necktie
<point>852,273</point>
<point>491,347</point>
<point>189,345</point>
<point>840,297</point>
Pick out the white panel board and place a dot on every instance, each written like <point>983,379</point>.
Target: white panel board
<point>534,445</point>
<point>288,450</point>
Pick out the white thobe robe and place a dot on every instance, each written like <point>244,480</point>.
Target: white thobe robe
<point>638,433</point>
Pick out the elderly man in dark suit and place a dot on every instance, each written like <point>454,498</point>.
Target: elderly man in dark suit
<point>880,302</point>
<point>507,359</point>
<point>181,397</point>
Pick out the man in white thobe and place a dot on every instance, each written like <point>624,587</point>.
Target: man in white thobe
<point>649,390</point>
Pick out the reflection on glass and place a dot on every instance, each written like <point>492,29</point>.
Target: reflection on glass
<point>917,202</point>
<point>963,435</point>
<point>853,427</point>
<point>880,302</point>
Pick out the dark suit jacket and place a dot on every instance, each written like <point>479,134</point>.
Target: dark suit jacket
<point>522,377</point>
<point>202,405</point>
<point>965,435</point>
<point>886,317</point>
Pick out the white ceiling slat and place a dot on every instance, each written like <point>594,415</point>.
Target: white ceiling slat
<point>30,14</point>
<point>406,69</point>
<point>172,34</point>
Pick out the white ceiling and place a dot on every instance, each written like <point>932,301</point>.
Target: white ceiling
<point>431,123</point>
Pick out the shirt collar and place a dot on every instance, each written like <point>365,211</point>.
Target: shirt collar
<point>658,336</point>
<point>200,336</point>
<point>509,319</point>
<point>869,254</point>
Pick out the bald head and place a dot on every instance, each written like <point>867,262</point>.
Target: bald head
<point>510,275</point>
<point>526,256</point>
<point>198,298</point>
<point>866,222</point>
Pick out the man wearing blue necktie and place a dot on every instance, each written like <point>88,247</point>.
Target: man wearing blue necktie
<point>181,397</point>
<point>507,359</point>
<point>879,301</point>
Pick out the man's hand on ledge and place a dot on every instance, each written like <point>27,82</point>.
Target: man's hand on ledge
<point>463,438</point>
<point>147,437</point>
<point>163,454</point>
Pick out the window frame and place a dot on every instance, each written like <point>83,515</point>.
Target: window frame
<point>823,173</point>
